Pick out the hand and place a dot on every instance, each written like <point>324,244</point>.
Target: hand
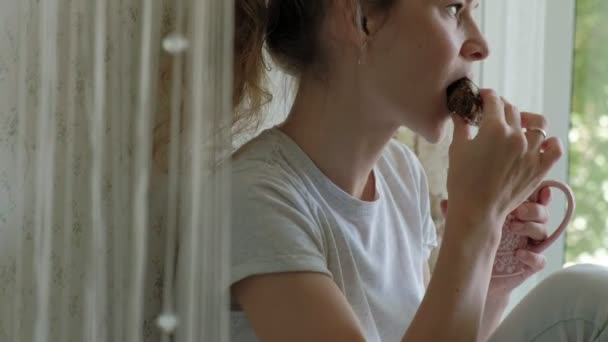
<point>492,174</point>
<point>531,218</point>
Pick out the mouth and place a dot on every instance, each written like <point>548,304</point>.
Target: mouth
<point>463,100</point>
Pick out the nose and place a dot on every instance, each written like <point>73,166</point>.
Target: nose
<point>475,48</point>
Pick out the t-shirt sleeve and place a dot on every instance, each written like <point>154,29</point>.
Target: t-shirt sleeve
<point>272,229</point>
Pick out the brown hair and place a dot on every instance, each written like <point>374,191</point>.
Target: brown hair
<point>290,30</point>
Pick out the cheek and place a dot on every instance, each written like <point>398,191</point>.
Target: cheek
<point>401,63</point>
<point>439,50</point>
<point>409,70</point>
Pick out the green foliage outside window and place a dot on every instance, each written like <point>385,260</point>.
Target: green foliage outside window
<point>588,233</point>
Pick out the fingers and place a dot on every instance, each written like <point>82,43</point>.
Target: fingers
<point>512,115</point>
<point>541,196</point>
<point>531,120</point>
<point>544,196</point>
<point>530,221</point>
<point>532,230</point>
<point>493,107</point>
<point>549,149</point>
<point>531,211</point>
<point>536,262</point>
<point>553,150</point>
<point>499,110</point>
<point>462,130</point>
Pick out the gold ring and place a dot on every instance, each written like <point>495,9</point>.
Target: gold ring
<point>538,130</point>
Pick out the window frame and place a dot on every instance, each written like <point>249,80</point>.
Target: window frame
<point>539,81</point>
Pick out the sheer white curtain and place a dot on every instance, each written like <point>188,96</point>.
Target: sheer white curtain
<point>114,138</point>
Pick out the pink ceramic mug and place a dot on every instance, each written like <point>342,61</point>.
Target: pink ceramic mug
<point>506,264</point>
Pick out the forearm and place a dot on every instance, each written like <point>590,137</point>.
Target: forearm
<point>456,295</point>
<point>494,309</point>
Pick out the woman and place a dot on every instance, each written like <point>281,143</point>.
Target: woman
<point>332,228</point>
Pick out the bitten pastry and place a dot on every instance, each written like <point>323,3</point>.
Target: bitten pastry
<point>464,100</point>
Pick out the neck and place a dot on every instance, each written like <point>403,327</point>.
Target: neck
<point>340,132</point>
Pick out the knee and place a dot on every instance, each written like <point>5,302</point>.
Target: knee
<point>578,273</point>
<point>587,281</point>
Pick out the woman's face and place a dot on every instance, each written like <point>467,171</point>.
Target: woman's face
<point>420,48</point>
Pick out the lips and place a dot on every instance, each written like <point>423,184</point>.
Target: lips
<point>463,100</point>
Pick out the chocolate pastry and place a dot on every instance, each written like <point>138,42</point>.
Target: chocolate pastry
<point>464,100</point>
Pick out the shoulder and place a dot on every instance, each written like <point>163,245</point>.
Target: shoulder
<point>260,174</point>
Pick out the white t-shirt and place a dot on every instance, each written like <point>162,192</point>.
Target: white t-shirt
<point>288,216</point>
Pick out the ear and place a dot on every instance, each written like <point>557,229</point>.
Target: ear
<point>348,24</point>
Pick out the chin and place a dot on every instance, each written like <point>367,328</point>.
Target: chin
<point>435,131</point>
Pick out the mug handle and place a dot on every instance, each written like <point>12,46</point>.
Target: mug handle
<point>538,248</point>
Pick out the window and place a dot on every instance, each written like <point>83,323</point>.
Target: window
<point>531,64</point>
<point>587,236</point>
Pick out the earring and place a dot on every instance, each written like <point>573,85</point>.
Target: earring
<point>363,53</point>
